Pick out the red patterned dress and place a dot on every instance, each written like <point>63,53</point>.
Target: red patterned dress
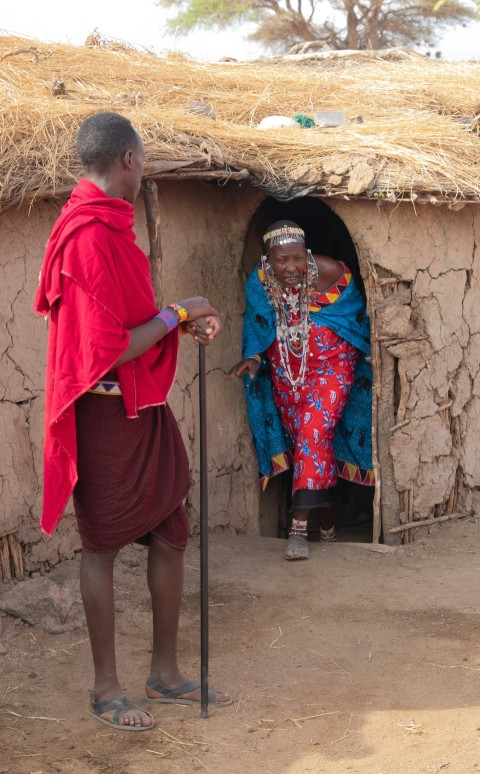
<point>310,413</point>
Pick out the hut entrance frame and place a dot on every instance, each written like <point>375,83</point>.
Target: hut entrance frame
<point>327,234</point>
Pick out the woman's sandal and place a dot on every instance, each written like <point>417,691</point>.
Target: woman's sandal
<point>298,547</point>
<point>120,707</point>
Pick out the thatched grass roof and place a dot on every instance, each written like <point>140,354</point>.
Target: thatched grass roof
<point>414,139</point>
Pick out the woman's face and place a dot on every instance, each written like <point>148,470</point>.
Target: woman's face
<point>289,263</point>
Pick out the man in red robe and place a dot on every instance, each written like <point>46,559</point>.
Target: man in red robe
<point>110,437</point>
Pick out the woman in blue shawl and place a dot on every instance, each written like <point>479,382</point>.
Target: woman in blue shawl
<point>308,384</point>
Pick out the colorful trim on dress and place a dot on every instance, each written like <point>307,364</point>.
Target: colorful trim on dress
<point>333,293</point>
<point>106,388</point>
<point>280,463</point>
<point>326,297</point>
<point>351,472</point>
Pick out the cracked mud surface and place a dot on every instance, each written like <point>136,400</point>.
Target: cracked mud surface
<point>354,661</point>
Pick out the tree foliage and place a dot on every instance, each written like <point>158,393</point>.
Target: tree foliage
<point>354,24</point>
<point>439,4</point>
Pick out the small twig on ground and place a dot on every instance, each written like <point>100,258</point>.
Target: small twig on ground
<point>348,732</point>
<point>331,661</point>
<point>272,644</point>
<point>123,588</point>
<point>190,755</point>
<point>454,666</point>
<point>9,690</point>
<point>174,738</point>
<point>52,652</point>
<point>32,717</point>
<point>413,727</point>
<point>312,717</point>
<point>17,730</point>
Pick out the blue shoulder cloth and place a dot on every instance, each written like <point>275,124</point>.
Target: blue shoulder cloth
<point>347,318</point>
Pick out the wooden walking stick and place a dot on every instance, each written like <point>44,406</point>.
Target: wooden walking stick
<point>203,535</point>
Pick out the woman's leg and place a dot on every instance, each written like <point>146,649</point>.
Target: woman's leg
<point>321,524</point>
<point>96,586</point>
<point>297,547</point>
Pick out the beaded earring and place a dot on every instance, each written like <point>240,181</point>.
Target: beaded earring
<point>312,271</point>
<point>268,271</point>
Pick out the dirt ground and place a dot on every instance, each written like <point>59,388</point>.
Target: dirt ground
<point>353,662</point>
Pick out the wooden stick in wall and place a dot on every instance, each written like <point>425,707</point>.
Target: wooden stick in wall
<point>152,211</point>
<point>5,560</point>
<point>429,522</point>
<point>16,555</point>
<point>376,380</point>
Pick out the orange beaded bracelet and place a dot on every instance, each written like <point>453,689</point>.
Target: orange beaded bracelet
<point>181,311</point>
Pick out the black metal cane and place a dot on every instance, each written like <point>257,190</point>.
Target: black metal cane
<point>203,534</point>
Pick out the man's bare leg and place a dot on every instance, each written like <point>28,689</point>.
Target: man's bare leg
<point>165,581</point>
<point>96,586</point>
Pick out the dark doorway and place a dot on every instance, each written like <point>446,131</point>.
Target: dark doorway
<point>325,233</point>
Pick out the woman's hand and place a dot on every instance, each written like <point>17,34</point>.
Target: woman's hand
<point>203,329</point>
<point>248,366</point>
<point>198,306</point>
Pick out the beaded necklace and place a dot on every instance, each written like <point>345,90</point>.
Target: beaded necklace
<point>292,322</point>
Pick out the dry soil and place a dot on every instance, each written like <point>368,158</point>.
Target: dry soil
<point>355,662</point>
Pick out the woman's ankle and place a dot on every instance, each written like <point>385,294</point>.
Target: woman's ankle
<point>298,528</point>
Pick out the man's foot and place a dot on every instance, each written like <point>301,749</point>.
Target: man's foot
<point>121,714</point>
<point>297,548</point>
<point>187,692</point>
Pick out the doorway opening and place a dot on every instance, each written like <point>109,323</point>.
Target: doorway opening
<point>326,234</point>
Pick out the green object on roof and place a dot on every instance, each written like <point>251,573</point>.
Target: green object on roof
<point>306,121</point>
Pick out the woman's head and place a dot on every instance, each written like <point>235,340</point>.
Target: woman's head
<point>111,149</point>
<point>284,243</point>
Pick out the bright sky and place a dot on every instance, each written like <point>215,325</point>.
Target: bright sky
<point>143,22</point>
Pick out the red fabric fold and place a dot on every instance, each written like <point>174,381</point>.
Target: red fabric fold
<point>95,284</point>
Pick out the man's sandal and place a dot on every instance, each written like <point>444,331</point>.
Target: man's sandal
<point>177,695</point>
<point>297,547</point>
<point>120,707</point>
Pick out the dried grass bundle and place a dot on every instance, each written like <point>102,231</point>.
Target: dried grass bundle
<point>412,137</point>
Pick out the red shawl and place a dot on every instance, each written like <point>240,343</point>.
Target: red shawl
<point>95,283</point>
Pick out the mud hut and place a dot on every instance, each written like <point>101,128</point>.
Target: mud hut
<point>394,191</point>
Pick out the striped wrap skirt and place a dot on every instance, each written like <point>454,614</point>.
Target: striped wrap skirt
<point>133,475</point>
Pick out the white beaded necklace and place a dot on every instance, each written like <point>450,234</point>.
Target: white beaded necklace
<point>293,338</point>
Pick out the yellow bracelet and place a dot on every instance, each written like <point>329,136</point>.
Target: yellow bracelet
<point>181,311</point>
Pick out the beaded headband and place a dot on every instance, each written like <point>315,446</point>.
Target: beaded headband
<point>284,235</point>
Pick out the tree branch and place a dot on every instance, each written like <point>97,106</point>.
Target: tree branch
<point>366,23</point>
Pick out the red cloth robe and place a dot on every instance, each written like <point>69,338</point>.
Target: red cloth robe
<point>95,283</point>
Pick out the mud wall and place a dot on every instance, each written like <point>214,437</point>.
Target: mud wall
<point>202,240</point>
<point>424,265</point>
<point>426,269</point>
